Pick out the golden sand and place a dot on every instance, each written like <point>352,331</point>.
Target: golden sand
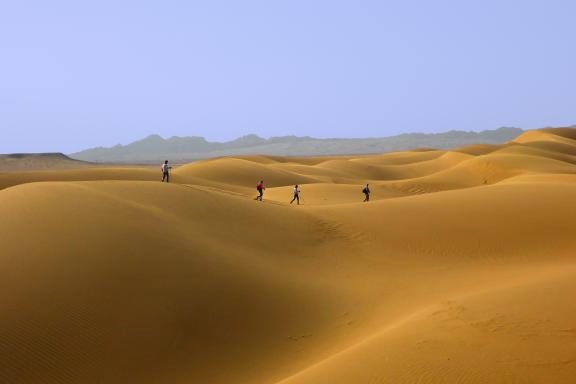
<point>460,269</point>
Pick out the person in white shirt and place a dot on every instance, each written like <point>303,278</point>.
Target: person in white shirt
<point>166,171</point>
<point>296,195</point>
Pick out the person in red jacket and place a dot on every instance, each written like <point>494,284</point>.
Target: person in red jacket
<point>260,188</point>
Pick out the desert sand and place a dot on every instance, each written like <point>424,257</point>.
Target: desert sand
<point>461,269</point>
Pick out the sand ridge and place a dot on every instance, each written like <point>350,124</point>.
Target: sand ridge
<point>460,269</point>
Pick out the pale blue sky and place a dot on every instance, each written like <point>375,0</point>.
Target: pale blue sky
<point>78,74</point>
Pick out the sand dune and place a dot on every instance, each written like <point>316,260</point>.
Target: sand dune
<point>239,172</point>
<point>460,270</point>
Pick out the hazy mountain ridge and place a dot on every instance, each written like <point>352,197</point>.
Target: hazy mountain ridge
<point>154,148</point>
<point>37,161</point>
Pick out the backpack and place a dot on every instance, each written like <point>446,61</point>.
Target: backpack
<point>364,190</point>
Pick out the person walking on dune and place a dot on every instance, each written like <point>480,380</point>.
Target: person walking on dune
<point>166,171</point>
<point>296,195</point>
<point>366,191</point>
<point>260,188</point>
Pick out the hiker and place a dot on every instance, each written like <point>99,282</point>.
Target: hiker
<point>166,171</point>
<point>260,188</point>
<point>366,191</point>
<point>296,195</point>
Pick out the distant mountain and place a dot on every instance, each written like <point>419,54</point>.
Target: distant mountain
<point>180,149</point>
<point>37,161</point>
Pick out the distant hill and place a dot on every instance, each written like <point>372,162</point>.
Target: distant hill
<point>37,161</point>
<point>180,149</point>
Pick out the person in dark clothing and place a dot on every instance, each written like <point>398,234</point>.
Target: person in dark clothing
<point>260,188</point>
<point>296,195</point>
<point>366,191</point>
<point>166,171</point>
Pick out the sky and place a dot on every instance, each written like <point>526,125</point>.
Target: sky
<point>80,74</point>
